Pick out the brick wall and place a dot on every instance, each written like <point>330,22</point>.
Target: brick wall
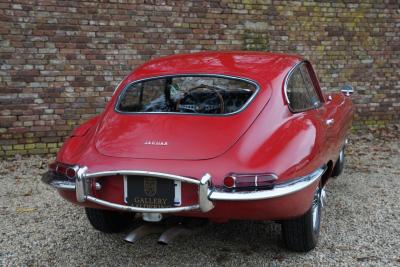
<point>60,60</point>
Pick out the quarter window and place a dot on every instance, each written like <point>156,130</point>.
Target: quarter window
<point>315,101</point>
<point>300,90</point>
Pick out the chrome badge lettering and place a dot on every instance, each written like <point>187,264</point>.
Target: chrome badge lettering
<point>156,143</point>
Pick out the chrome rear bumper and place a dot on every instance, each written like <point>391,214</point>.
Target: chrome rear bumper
<point>206,192</point>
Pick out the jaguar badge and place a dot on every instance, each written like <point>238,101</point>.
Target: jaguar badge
<point>150,186</point>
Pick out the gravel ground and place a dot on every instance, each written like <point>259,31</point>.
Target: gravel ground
<point>361,223</point>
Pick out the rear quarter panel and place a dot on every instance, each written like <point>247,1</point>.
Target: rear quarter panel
<point>286,144</point>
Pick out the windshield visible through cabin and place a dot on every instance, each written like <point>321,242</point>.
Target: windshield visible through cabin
<point>187,94</point>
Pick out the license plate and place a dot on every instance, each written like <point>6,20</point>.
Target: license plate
<point>151,192</point>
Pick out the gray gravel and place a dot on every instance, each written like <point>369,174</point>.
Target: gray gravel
<point>361,224</point>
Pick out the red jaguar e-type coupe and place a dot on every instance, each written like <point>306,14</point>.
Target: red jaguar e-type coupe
<point>218,135</point>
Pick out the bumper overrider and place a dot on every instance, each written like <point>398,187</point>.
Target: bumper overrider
<point>207,193</point>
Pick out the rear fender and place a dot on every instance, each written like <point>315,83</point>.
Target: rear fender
<point>283,143</point>
<point>292,150</point>
<point>79,143</point>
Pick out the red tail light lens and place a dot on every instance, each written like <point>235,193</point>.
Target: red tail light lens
<point>62,169</point>
<point>70,172</point>
<point>250,181</point>
<point>229,181</point>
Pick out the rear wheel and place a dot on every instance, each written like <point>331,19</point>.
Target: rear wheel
<point>109,221</point>
<point>339,165</point>
<point>301,234</point>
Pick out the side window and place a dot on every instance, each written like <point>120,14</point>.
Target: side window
<point>300,90</point>
<point>315,101</point>
<point>297,92</point>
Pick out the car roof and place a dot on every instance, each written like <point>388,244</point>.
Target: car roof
<point>245,64</point>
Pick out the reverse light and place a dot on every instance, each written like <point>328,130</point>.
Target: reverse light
<point>250,181</point>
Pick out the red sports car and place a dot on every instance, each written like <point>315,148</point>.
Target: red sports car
<point>217,135</point>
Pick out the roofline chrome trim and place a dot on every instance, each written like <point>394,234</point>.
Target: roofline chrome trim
<point>119,84</point>
<point>118,101</point>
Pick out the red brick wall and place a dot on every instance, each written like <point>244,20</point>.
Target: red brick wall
<point>60,60</point>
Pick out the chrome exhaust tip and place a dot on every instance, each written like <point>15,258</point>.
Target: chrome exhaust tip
<point>142,231</point>
<point>169,235</point>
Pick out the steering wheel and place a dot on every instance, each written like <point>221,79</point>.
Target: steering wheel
<point>201,103</point>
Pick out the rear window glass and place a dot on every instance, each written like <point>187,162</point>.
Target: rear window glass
<point>187,94</point>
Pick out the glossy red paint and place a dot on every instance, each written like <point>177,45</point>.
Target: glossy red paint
<point>266,137</point>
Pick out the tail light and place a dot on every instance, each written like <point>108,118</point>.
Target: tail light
<point>249,181</point>
<point>229,181</point>
<point>64,170</point>
<point>69,172</point>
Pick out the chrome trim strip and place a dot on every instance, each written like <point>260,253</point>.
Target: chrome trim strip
<point>278,191</point>
<point>118,85</point>
<point>63,185</point>
<point>137,209</point>
<point>48,179</point>
<point>67,185</point>
<point>118,101</point>
<point>85,195</point>
<point>144,173</point>
<point>206,192</point>
<point>81,186</point>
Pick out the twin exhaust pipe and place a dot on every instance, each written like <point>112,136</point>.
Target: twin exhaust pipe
<point>168,234</point>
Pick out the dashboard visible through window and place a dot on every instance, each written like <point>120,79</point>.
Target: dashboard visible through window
<point>187,94</point>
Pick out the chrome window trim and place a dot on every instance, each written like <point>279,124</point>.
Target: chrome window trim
<point>257,86</point>
<point>118,85</point>
<point>298,64</point>
<point>285,84</point>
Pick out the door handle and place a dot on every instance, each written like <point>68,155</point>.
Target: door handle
<point>330,122</point>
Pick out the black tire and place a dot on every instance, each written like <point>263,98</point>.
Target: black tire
<point>301,234</point>
<point>339,165</point>
<point>109,221</point>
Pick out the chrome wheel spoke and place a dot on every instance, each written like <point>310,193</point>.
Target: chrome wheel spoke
<point>317,204</point>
